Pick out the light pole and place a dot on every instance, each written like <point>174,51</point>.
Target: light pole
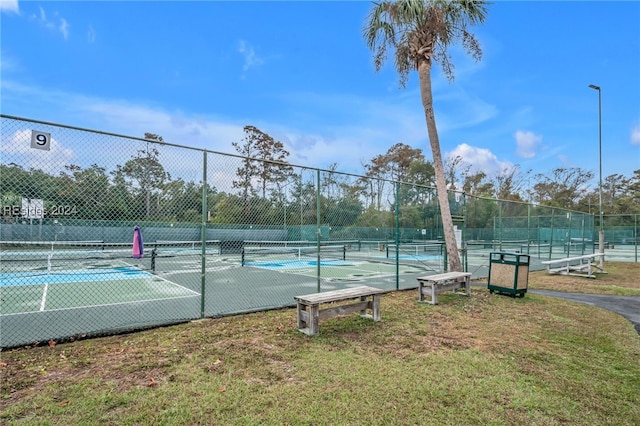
<point>601,233</point>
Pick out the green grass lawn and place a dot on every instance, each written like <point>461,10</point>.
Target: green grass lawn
<point>485,360</point>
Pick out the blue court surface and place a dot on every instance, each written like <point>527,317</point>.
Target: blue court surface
<point>70,276</point>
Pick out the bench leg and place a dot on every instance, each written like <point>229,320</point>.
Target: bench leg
<point>467,285</point>
<point>308,319</point>
<point>373,305</point>
<point>314,317</point>
<point>434,294</point>
<point>431,288</point>
<point>301,323</point>
<point>376,307</point>
<point>363,313</point>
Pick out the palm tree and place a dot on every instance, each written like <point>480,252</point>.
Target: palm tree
<point>420,31</point>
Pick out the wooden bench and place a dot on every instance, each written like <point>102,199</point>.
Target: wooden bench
<point>580,266</point>
<point>309,312</point>
<point>434,284</point>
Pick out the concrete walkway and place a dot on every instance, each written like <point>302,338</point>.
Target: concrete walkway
<point>627,306</point>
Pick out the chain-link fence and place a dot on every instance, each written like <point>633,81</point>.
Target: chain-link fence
<point>622,237</point>
<point>221,233</point>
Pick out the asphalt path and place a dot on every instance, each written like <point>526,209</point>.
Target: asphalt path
<point>627,306</point>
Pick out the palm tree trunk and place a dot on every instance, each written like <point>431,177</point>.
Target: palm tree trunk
<point>424,72</point>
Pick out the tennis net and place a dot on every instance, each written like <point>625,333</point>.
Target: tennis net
<point>325,252</point>
<point>18,256</point>
<point>414,249</point>
<point>350,245</point>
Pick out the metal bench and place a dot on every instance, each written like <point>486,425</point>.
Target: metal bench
<point>309,312</point>
<point>434,284</point>
<point>579,266</point>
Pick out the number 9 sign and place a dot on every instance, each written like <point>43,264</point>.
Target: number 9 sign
<point>40,140</point>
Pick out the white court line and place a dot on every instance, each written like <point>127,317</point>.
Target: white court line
<point>171,282</point>
<point>44,297</point>
<point>151,276</point>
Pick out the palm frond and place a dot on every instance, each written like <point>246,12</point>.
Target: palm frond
<point>422,30</point>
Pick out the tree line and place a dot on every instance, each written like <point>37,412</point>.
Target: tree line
<point>267,190</point>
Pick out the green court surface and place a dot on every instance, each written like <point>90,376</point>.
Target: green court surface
<point>337,271</point>
<point>57,291</point>
<point>57,295</point>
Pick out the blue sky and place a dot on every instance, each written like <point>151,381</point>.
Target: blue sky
<point>198,72</point>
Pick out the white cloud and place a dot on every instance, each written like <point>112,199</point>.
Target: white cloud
<point>251,60</point>
<point>349,150</point>
<point>527,143</point>
<point>9,6</point>
<point>8,63</point>
<point>64,28</point>
<point>480,159</point>
<point>43,15</point>
<point>566,161</point>
<point>469,110</point>
<point>56,24</point>
<point>91,34</point>
<point>635,135</point>
<point>364,127</point>
<point>348,145</point>
<point>17,149</point>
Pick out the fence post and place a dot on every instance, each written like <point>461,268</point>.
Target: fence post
<point>583,236</point>
<point>397,214</point>
<point>568,234</point>
<point>551,236</point>
<point>464,232</point>
<point>529,231</point>
<point>318,225</point>
<point>203,235</point>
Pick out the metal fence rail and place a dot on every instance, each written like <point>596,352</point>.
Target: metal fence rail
<point>71,198</point>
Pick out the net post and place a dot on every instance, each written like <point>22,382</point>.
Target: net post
<point>153,259</point>
<point>242,256</point>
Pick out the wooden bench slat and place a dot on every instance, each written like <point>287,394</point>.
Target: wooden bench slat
<point>335,295</point>
<point>308,320</point>
<point>445,276</point>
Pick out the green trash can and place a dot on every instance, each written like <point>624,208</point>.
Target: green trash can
<point>508,273</point>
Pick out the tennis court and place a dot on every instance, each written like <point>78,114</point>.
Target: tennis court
<point>70,288</point>
<point>347,261</point>
<point>25,292</point>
